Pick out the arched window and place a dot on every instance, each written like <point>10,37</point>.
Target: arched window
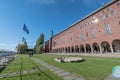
<point>74,39</point>
<point>68,40</point>
<point>107,28</point>
<point>92,33</point>
<point>82,37</point>
<point>118,4</point>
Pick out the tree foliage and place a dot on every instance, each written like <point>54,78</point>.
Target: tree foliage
<point>39,44</point>
<point>21,48</point>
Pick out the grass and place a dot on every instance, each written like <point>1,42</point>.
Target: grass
<point>24,63</point>
<point>93,68</point>
<point>20,61</point>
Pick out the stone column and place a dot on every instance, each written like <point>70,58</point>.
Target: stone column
<point>70,50</point>
<point>100,48</point>
<point>91,49</point>
<point>79,49</point>
<point>85,49</point>
<point>111,48</point>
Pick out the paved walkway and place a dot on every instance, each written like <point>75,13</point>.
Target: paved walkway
<point>5,60</point>
<point>111,77</point>
<point>61,73</point>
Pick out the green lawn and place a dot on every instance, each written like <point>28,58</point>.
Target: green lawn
<point>21,62</point>
<point>93,68</point>
<point>24,63</point>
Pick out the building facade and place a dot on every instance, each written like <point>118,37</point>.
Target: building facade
<point>46,47</point>
<point>98,32</point>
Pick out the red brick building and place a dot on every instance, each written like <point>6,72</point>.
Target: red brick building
<point>98,32</point>
<point>46,49</point>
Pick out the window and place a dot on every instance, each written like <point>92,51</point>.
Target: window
<point>113,12</point>
<point>107,28</point>
<point>103,11</point>
<point>68,40</point>
<point>108,9</point>
<point>54,43</point>
<point>92,33</point>
<point>100,14</point>
<point>88,23</point>
<point>82,37</point>
<point>102,17</point>
<point>107,15</point>
<point>118,4</point>
<point>81,27</point>
<point>74,39</point>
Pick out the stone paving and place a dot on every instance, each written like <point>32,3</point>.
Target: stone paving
<point>111,77</point>
<point>5,60</point>
<point>61,73</point>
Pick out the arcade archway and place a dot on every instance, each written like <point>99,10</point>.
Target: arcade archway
<point>96,48</point>
<point>76,49</point>
<point>68,49</point>
<point>116,45</point>
<point>105,47</point>
<point>82,50</point>
<point>72,49</point>
<point>88,48</point>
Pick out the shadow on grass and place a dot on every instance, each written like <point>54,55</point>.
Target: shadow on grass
<point>42,71</point>
<point>21,69</point>
<point>2,68</point>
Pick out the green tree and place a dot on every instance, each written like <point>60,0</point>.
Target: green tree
<point>21,48</point>
<point>39,44</point>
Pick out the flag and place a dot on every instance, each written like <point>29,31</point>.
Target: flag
<point>24,39</point>
<point>25,29</point>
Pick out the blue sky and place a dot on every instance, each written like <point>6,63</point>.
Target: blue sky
<point>40,16</point>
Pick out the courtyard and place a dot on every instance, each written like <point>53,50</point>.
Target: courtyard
<point>95,67</point>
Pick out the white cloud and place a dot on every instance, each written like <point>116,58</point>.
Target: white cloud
<point>3,44</point>
<point>45,1</point>
<point>8,46</point>
<point>13,46</point>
